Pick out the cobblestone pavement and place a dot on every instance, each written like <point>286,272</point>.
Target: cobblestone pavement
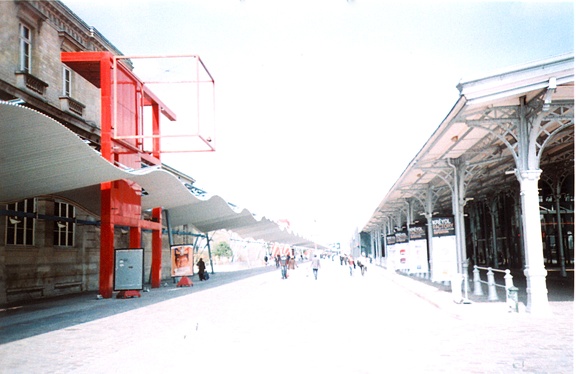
<point>379,323</point>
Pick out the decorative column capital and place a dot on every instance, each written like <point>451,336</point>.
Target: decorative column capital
<point>528,175</point>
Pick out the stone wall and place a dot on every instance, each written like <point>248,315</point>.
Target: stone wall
<point>52,31</point>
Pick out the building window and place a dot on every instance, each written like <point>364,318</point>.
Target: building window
<point>67,103</point>
<point>64,229</point>
<point>25,49</point>
<point>20,230</point>
<point>66,82</point>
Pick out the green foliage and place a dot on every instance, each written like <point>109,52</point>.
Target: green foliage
<point>223,250</point>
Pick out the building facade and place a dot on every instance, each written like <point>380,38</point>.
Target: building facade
<point>73,190</point>
<point>44,257</point>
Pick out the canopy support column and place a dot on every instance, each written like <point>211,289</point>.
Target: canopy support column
<point>106,259</point>
<point>534,271</point>
<point>209,253</point>
<point>559,233</point>
<point>493,210</point>
<point>429,213</point>
<point>157,249</point>
<point>458,203</point>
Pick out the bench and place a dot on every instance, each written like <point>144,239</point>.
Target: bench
<point>65,285</point>
<point>25,290</point>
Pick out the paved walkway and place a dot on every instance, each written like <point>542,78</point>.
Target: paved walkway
<point>254,322</point>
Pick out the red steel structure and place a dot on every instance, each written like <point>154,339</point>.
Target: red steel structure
<point>121,200</point>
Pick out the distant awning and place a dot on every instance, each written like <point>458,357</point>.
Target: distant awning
<point>39,156</point>
<point>477,130</point>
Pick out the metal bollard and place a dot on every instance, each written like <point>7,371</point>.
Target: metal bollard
<point>492,295</point>
<point>477,284</point>
<point>508,282</point>
<point>512,299</point>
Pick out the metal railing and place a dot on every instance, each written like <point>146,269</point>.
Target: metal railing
<point>511,291</point>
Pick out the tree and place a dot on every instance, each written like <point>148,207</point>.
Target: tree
<point>223,250</point>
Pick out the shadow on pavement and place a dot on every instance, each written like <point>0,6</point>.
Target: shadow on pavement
<point>559,288</point>
<point>24,319</point>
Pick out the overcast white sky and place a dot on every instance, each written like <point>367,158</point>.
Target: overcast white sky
<point>320,105</point>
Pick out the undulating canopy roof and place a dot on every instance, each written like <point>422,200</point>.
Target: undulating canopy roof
<point>39,156</point>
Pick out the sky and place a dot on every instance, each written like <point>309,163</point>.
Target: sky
<point>321,105</point>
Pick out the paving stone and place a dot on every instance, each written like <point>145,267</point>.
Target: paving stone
<point>253,321</point>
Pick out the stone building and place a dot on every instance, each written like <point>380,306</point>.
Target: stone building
<point>74,187</point>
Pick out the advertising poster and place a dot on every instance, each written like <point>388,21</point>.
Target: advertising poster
<point>418,250</point>
<point>391,251</point>
<point>182,258</point>
<point>444,259</point>
<point>402,251</point>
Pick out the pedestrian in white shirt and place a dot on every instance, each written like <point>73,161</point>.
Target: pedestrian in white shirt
<point>315,266</point>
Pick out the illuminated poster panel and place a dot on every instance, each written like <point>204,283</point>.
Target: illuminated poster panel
<point>402,251</point>
<point>418,250</point>
<point>444,260</point>
<point>182,259</point>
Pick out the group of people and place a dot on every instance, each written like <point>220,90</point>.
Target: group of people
<point>277,259</point>
<point>286,262</point>
<point>361,262</point>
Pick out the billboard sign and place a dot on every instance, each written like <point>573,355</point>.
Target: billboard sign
<point>182,259</point>
<point>418,250</point>
<point>402,250</point>
<point>444,259</point>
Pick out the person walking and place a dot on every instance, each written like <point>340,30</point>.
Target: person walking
<point>284,266</point>
<point>362,266</point>
<point>291,263</point>
<point>315,266</point>
<point>201,269</point>
<point>363,263</point>
<point>351,264</point>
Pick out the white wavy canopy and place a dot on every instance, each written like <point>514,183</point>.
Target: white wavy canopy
<point>39,156</point>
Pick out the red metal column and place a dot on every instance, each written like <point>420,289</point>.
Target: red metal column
<point>156,131</point>
<point>157,249</point>
<point>156,270</point>
<point>107,225</point>
<point>106,244</point>
<point>135,237</point>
